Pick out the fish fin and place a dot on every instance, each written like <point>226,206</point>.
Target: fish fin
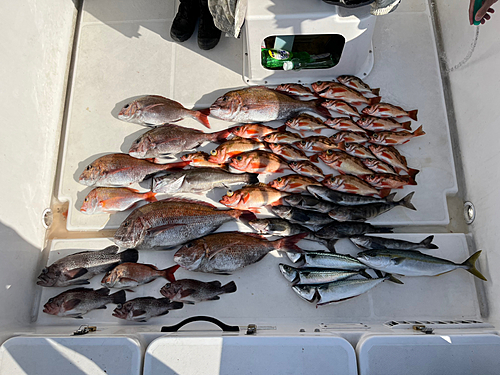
<point>375,100</point>
<point>253,178</point>
<point>338,300</point>
<point>330,245</point>
<point>288,244</point>
<point>427,243</point>
<point>179,164</point>
<point>393,279</point>
<point>413,172</point>
<point>365,274</point>
<point>129,290</point>
<point>78,317</point>
<point>119,297</point>
<point>281,129</point>
<point>413,114</point>
<point>156,230</point>
<point>80,282</point>
<point>245,215</point>
<point>176,305</point>
<point>128,279</point>
<point>314,158</point>
<point>390,197</point>
<point>376,91</point>
<point>418,132</point>
<point>188,302</point>
<point>129,256</point>
<point>317,130</point>
<point>150,196</point>
<point>168,273</point>
<point>71,304</point>
<point>384,193</point>
<point>103,291</point>
<point>221,136</point>
<point>230,287</point>
<point>279,202</point>
<point>101,308</point>
<point>214,298</point>
<point>379,274</point>
<point>406,125</point>
<point>406,201</point>
<point>215,284</point>
<point>76,273</point>
<point>320,110</point>
<point>164,313</point>
<point>246,198</point>
<point>186,200</point>
<point>341,146</point>
<point>202,116</point>
<point>254,210</point>
<point>187,292</point>
<point>138,312</point>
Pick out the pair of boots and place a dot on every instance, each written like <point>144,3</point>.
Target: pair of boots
<point>185,22</point>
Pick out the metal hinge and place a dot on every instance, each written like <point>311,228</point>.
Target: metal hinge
<point>84,329</point>
<point>424,329</point>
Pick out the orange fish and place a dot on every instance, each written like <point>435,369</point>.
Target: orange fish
<point>353,185</point>
<point>390,181</point>
<point>252,198</point>
<point>378,166</point>
<point>391,156</point>
<point>293,183</point>
<point>306,168</point>
<point>349,137</point>
<point>318,144</point>
<point>375,124</point>
<point>355,149</point>
<point>111,200</point>
<point>342,162</point>
<point>357,84</point>
<point>287,152</point>
<point>335,90</point>
<point>254,131</point>
<point>389,110</point>
<point>282,137</point>
<point>235,146</point>
<point>344,124</point>
<point>200,159</point>
<point>306,123</point>
<point>258,162</point>
<point>399,138</point>
<point>341,107</point>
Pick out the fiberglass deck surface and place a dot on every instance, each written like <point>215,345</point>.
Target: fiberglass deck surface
<point>125,51</point>
<point>264,296</point>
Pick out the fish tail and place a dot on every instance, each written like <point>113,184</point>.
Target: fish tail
<point>406,201</point>
<point>406,125</point>
<point>341,146</point>
<point>179,164</point>
<point>168,273</point>
<point>418,132</point>
<point>252,178</point>
<point>413,114</point>
<point>129,256</point>
<point>150,196</point>
<point>202,116</point>
<point>294,257</point>
<point>281,129</point>
<point>365,274</point>
<point>427,243</point>
<point>176,305</point>
<point>242,215</point>
<point>319,109</point>
<point>393,279</point>
<point>289,244</point>
<point>230,287</point>
<point>470,266</point>
<point>314,158</point>
<point>412,172</point>
<point>330,245</point>
<point>221,135</point>
<point>384,193</point>
<point>375,100</point>
<point>119,297</point>
<point>376,92</point>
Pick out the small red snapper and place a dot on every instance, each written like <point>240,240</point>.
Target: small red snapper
<point>111,200</point>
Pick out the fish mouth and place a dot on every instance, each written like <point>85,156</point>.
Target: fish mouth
<point>47,309</point>
<point>119,313</point>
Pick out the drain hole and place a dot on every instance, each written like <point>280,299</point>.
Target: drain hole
<point>469,212</point>
<point>47,218</point>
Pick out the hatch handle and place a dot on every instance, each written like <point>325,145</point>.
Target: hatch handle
<point>217,322</point>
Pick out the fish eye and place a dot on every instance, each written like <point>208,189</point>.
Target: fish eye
<point>279,179</point>
<point>190,244</point>
<point>213,152</point>
<point>375,135</point>
<point>86,199</point>
<point>88,168</point>
<point>229,193</point>
<point>119,306</point>
<point>125,224</point>
<point>303,143</point>
<point>329,152</point>
<point>50,300</point>
<point>126,106</point>
<point>239,158</point>
<point>238,129</point>
<point>167,286</point>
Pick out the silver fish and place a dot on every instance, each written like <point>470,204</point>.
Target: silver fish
<point>169,140</point>
<point>369,211</point>
<point>259,104</point>
<point>415,263</point>
<point>193,291</point>
<point>337,230</point>
<point>144,308</point>
<point>300,276</point>
<point>78,268</point>
<point>328,260</point>
<point>200,180</point>
<point>344,199</point>
<point>296,215</point>
<point>79,301</point>
<point>373,243</point>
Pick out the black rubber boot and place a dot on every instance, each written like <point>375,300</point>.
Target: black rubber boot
<point>208,34</point>
<point>185,20</point>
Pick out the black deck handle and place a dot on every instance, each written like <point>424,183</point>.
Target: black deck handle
<point>217,322</point>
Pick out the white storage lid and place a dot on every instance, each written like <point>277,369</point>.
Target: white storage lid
<point>70,355</point>
<point>250,355</point>
<point>436,354</point>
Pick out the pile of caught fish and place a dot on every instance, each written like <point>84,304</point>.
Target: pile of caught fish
<point>353,138</point>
